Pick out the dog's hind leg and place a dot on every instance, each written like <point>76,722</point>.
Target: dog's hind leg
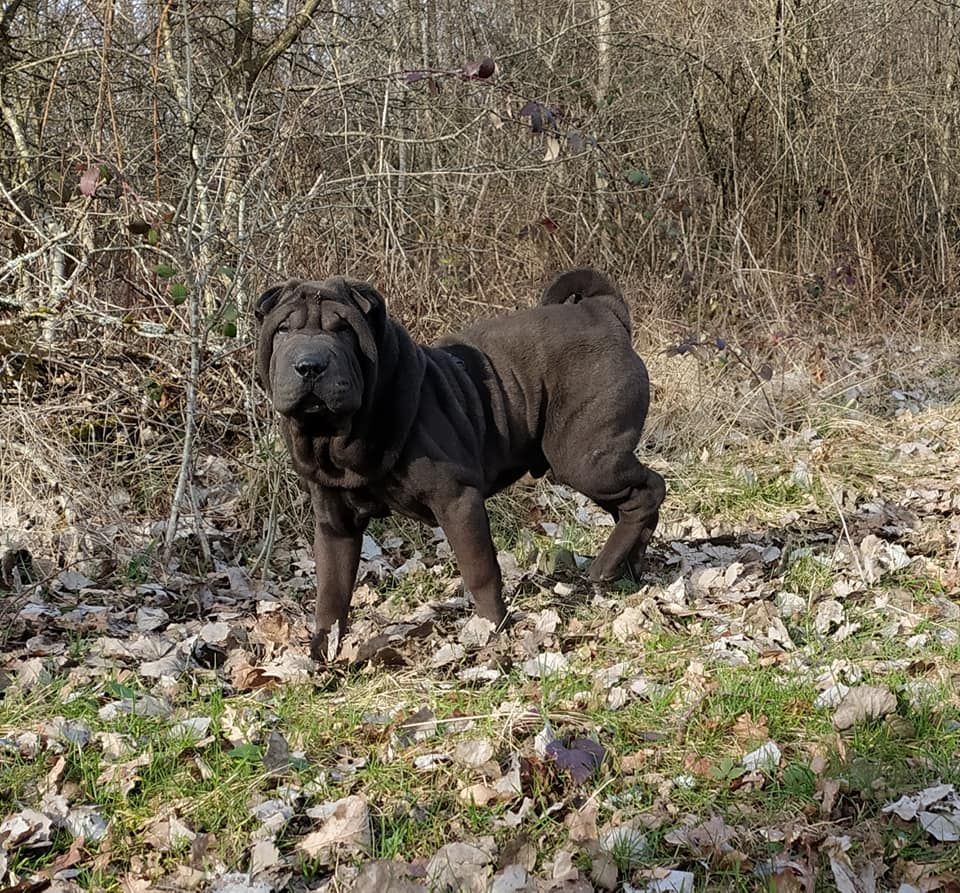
<point>465,522</point>
<point>637,513</point>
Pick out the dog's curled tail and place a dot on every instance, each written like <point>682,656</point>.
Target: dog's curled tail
<point>584,284</point>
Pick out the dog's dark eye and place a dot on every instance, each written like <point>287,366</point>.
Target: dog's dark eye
<point>283,327</point>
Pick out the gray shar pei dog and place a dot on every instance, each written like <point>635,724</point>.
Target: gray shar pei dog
<point>377,423</point>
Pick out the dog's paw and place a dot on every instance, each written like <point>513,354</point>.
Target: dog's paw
<point>318,648</point>
<point>636,568</point>
<point>325,645</point>
<point>600,573</point>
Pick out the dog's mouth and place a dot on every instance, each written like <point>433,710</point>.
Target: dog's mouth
<point>321,417</point>
<point>314,408</point>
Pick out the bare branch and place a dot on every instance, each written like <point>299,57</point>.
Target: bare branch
<point>8,15</point>
<point>281,43</point>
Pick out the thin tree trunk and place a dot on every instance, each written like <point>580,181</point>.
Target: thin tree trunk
<point>604,23</point>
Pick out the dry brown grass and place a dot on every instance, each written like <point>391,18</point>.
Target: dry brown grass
<point>88,458</point>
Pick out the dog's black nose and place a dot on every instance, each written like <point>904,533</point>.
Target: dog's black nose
<point>310,367</point>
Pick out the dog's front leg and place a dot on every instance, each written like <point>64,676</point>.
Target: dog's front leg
<point>337,542</point>
<point>465,522</point>
<point>337,557</point>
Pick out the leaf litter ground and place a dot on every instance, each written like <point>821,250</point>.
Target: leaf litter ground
<point>774,705</point>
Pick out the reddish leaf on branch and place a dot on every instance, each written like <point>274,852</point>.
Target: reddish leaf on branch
<point>89,179</point>
<point>550,225</point>
<point>534,111</point>
<point>480,69</point>
<point>540,116</point>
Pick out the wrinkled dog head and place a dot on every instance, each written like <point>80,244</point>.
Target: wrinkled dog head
<point>317,349</point>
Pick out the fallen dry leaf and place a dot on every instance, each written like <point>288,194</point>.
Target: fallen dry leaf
<point>513,879</point>
<point>632,623</point>
<point>478,794</point>
<point>474,752</point>
<point>582,823</point>
<point>387,877</point>
<point>862,704</point>
<point>263,857</point>
<point>563,867</point>
<point>625,844</point>
<point>709,839</point>
<point>141,705</point>
<point>879,557</point>
<point>446,654</point>
<point>150,619</point>
<point>427,762</point>
<point>345,829</point>
<point>124,776</point>
<point>417,727</point>
<point>27,829</point>
<point>936,808</point>
<point>940,826</point>
<point>32,673</point>
<point>847,878</point>
<point>663,880</point>
<point>513,818</point>
<point>749,731</point>
<point>167,832</point>
<point>276,758</point>
<point>765,758</point>
<point>603,871</point>
<point>86,822</point>
<point>462,867</point>
<point>476,632</point>
<point>237,882</point>
<point>68,859</point>
<point>827,791</point>
<point>546,664</point>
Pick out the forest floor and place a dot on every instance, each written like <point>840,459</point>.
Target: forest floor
<point>774,705</point>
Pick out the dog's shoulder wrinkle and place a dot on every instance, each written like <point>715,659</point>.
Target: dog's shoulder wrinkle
<point>467,357</point>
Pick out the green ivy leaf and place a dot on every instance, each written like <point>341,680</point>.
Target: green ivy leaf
<point>118,690</point>
<point>178,293</point>
<point>164,271</point>
<point>637,177</point>
<point>727,769</point>
<point>153,389</point>
<point>229,330</point>
<point>250,753</point>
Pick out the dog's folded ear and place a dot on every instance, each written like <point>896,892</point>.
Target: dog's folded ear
<point>267,301</point>
<point>365,296</point>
